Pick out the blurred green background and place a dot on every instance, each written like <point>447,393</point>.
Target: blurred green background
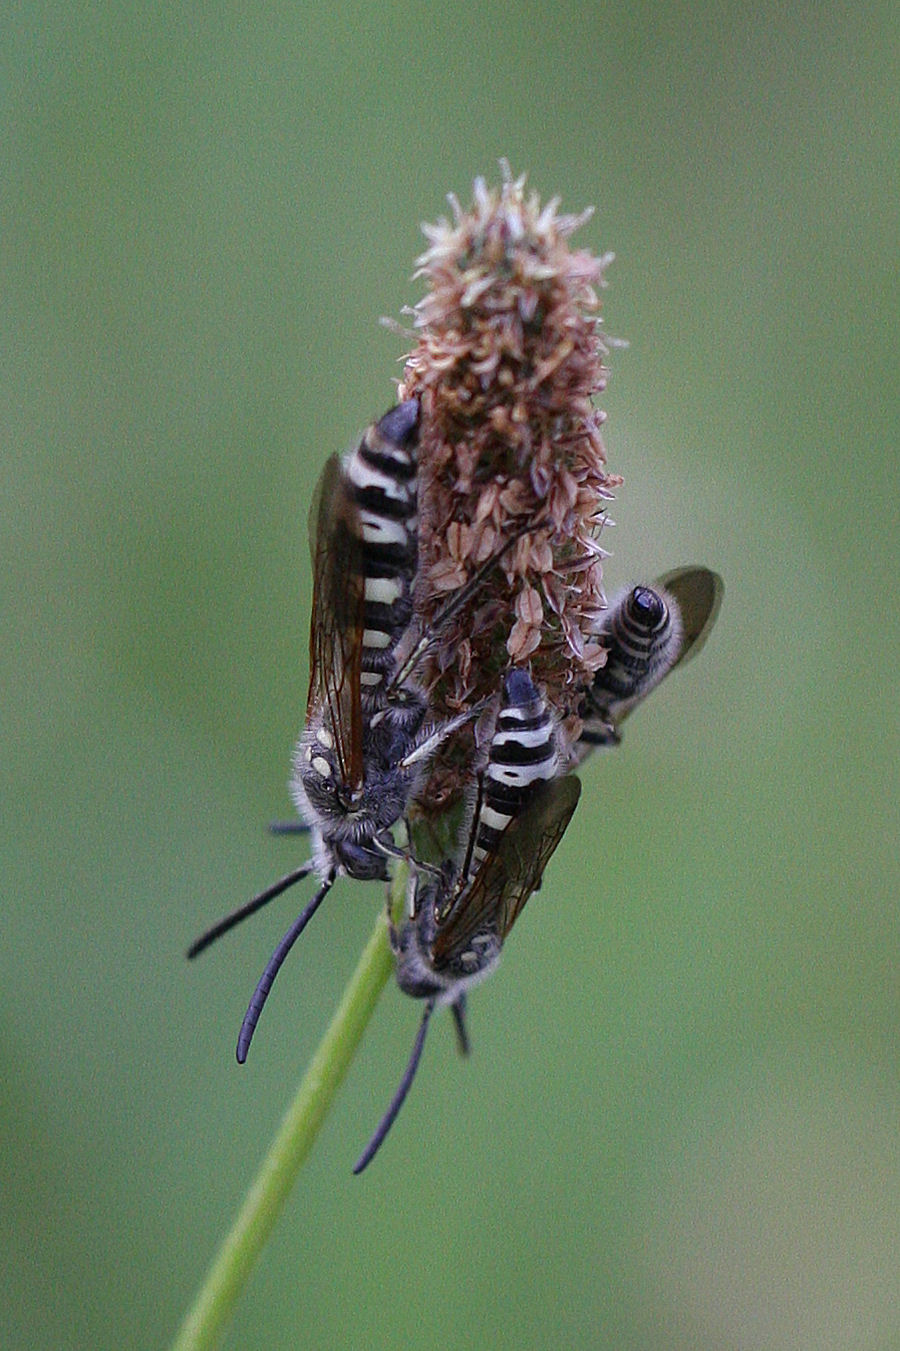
<point>680,1127</point>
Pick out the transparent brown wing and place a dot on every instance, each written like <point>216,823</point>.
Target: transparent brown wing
<point>336,628</point>
<point>699,593</point>
<point>497,894</point>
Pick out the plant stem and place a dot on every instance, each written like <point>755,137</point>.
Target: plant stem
<point>240,1250</point>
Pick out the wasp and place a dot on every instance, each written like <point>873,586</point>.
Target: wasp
<point>367,736</point>
<point>460,918</point>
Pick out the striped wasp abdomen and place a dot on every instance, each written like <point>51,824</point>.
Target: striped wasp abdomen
<point>647,632</point>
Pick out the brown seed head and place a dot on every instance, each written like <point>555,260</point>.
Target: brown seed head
<point>511,455</point>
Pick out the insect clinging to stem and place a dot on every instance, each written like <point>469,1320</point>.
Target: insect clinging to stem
<point>367,735</point>
<point>460,918</point>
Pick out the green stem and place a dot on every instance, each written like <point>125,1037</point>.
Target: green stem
<point>241,1248</point>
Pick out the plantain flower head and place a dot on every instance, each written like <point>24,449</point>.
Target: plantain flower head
<point>512,463</point>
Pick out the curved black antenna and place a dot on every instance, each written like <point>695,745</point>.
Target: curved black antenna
<point>458,1009</point>
<point>399,1097</point>
<point>273,966</point>
<point>250,908</point>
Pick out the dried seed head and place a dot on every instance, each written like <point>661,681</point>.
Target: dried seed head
<point>508,359</point>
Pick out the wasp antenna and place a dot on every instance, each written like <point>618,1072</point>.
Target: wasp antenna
<point>273,966</point>
<point>399,1097</point>
<point>458,1009</point>
<point>288,828</point>
<point>244,911</point>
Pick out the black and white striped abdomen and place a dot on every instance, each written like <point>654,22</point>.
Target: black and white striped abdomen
<point>523,753</point>
<point>642,633</point>
<point>381,474</point>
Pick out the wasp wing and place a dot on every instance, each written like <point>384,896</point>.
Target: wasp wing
<point>336,627</point>
<point>497,894</point>
<point>698,592</point>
